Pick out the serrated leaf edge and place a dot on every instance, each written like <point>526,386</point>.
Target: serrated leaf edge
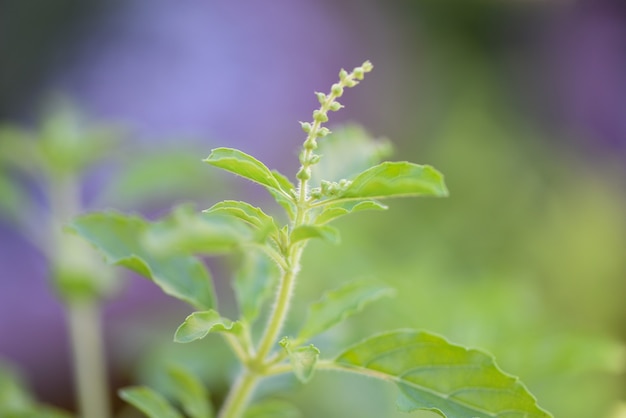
<point>399,382</point>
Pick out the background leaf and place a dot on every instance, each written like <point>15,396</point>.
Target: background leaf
<point>435,375</point>
<point>118,237</point>
<point>347,151</point>
<point>151,403</point>
<point>396,179</point>
<point>148,176</point>
<point>17,402</point>
<point>254,283</point>
<point>191,393</point>
<point>273,408</point>
<point>13,199</point>
<point>337,305</point>
<point>186,231</point>
<point>199,324</point>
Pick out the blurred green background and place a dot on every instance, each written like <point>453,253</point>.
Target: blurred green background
<point>520,104</point>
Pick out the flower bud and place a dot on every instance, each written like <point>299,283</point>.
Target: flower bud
<point>335,106</point>
<point>316,193</point>
<point>304,174</point>
<point>343,74</point>
<point>306,126</point>
<point>323,131</point>
<point>320,116</point>
<point>367,66</point>
<point>310,144</point>
<point>321,97</point>
<point>337,89</point>
<point>359,73</point>
<point>314,159</point>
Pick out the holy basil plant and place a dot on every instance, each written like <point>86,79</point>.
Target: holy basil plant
<point>430,372</point>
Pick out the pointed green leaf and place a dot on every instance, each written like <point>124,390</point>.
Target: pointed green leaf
<point>335,210</point>
<point>396,179</point>
<point>157,175</point>
<point>119,238</point>
<point>17,402</point>
<point>303,359</point>
<point>13,199</point>
<point>246,212</point>
<point>242,164</point>
<point>273,408</point>
<point>199,324</point>
<point>254,283</point>
<point>191,393</point>
<point>434,374</point>
<point>337,305</point>
<point>284,200</point>
<point>186,231</point>
<point>285,184</point>
<point>327,233</point>
<point>151,403</point>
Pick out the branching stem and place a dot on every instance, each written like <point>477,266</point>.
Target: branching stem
<point>262,364</point>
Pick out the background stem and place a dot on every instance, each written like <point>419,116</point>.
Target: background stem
<point>88,359</point>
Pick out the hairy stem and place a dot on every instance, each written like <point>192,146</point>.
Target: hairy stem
<point>281,307</point>
<point>261,364</point>
<point>239,395</point>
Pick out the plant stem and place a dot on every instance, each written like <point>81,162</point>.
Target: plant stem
<point>239,395</point>
<point>281,307</point>
<point>83,315</point>
<point>89,366</point>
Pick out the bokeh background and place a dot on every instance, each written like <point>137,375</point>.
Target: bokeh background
<point>520,103</point>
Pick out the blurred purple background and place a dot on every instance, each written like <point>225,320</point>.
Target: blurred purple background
<point>242,74</point>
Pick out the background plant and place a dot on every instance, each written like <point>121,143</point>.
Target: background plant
<point>431,373</point>
<point>42,176</point>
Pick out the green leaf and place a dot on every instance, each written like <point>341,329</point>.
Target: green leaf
<point>13,393</point>
<point>434,374</point>
<point>186,231</point>
<point>339,304</point>
<point>246,212</point>
<point>273,408</point>
<point>190,391</point>
<point>13,199</point>
<point>199,324</point>
<point>335,210</point>
<point>254,283</point>
<point>303,359</point>
<point>147,176</point>
<point>396,179</point>
<point>285,200</point>
<point>285,184</point>
<point>151,403</point>
<point>303,232</point>
<point>118,238</point>
<point>69,143</point>
<point>19,149</point>
<point>246,166</point>
<point>17,402</point>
